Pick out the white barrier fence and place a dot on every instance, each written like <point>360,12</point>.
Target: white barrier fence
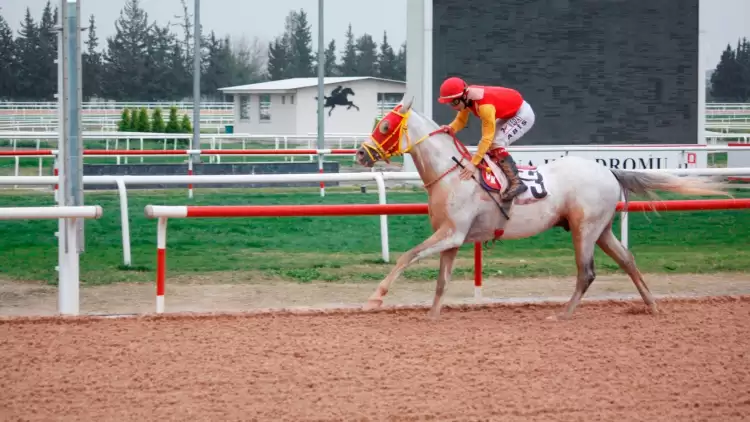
<point>379,178</point>
<point>106,114</point>
<point>628,156</point>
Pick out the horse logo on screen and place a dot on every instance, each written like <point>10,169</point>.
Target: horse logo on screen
<point>339,96</point>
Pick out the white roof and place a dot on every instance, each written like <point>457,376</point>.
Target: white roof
<point>297,83</point>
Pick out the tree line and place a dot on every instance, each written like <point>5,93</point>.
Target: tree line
<point>730,82</point>
<point>145,61</point>
<point>291,55</point>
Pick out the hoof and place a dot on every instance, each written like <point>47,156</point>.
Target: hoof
<point>372,304</point>
<point>433,316</point>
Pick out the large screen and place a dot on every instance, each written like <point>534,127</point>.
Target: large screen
<point>594,71</point>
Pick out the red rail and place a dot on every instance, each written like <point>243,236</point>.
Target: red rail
<point>23,152</point>
<point>391,209</point>
<point>686,205</point>
<point>304,210</point>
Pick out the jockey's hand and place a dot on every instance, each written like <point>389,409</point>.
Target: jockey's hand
<point>467,171</point>
<point>447,129</point>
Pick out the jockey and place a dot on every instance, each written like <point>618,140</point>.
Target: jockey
<point>505,118</point>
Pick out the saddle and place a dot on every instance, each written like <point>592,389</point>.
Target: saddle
<point>490,180</point>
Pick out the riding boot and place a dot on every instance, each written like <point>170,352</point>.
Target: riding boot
<point>515,184</point>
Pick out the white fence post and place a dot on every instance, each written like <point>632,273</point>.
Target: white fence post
<point>124,222</point>
<point>385,248</point>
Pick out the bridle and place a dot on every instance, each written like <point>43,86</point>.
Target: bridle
<point>389,143</point>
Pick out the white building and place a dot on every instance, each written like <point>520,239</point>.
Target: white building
<point>289,106</point>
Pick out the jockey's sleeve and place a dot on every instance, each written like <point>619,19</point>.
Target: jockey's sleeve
<point>487,114</point>
<point>462,117</point>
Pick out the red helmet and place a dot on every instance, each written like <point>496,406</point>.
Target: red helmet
<point>451,89</point>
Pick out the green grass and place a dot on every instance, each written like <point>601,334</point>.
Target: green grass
<point>344,249</point>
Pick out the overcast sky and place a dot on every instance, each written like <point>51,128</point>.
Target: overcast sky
<point>723,21</point>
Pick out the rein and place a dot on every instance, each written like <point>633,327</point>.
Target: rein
<point>386,142</point>
<point>393,140</point>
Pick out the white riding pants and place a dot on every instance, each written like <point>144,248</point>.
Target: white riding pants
<point>511,130</point>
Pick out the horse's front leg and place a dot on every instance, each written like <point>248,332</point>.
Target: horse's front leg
<point>447,259</point>
<point>443,239</point>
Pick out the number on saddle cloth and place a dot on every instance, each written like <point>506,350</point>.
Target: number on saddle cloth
<point>531,178</point>
<point>535,181</point>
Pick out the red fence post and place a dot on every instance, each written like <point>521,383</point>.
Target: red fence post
<point>477,270</point>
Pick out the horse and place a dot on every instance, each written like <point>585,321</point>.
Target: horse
<point>339,96</point>
<point>577,194</point>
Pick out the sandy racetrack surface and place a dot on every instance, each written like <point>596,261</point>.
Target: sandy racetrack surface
<point>612,361</point>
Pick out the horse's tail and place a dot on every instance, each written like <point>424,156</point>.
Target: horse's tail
<point>645,183</point>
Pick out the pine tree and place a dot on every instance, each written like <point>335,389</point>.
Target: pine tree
<point>126,123</point>
<point>173,124</point>
<point>8,61</point>
<point>168,79</point>
<point>91,64</point>
<point>185,126</point>
<point>218,71</point>
<point>27,54</point>
<point>330,67</point>
<point>743,62</point>
<point>726,81</point>
<point>46,69</point>
<point>277,59</point>
<point>127,55</point>
<point>348,65</point>
<point>300,47</point>
<point>387,65</point>
<point>367,56</point>
<point>157,121</point>
<point>401,63</point>
<point>142,123</point>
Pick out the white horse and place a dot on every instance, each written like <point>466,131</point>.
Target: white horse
<point>577,194</point>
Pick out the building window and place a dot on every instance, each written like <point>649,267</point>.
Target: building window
<point>388,100</point>
<point>244,107</point>
<point>291,99</point>
<point>264,110</point>
<point>283,99</point>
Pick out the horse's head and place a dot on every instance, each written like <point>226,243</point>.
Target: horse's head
<point>347,91</point>
<point>386,138</point>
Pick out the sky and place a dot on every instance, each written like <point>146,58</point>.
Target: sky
<point>723,21</point>
<point>242,17</point>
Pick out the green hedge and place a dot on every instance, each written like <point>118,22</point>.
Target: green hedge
<point>137,120</point>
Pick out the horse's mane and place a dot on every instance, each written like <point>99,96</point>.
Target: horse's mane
<point>431,124</point>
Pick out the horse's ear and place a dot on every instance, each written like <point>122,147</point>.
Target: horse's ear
<point>407,104</point>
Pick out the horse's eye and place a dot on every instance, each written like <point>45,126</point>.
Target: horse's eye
<point>384,127</point>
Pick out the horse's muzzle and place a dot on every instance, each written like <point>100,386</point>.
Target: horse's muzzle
<point>363,158</point>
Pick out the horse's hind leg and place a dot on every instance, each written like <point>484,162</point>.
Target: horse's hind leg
<point>447,259</point>
<point>617,251</point>
<point>584,233</point>
<point>443,239</point>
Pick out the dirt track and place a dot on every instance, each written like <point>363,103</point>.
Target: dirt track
<point>502,362</point>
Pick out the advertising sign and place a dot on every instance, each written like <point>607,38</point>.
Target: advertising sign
<point>639,158</point>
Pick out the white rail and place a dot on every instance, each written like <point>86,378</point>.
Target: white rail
<point>41,213</point>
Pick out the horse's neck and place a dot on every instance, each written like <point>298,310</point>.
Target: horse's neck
<point>434,155</point>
